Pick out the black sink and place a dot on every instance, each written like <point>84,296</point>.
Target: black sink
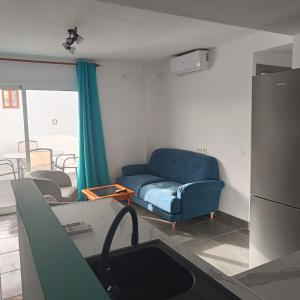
<point>152,270</point>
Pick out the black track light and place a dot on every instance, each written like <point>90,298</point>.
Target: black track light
<point>71,39</point>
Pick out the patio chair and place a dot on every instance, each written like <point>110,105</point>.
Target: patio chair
<point>66,161</point>
<point>41,159</point>
<point>32,145</point>
<point>22,148</point>
<point>8,167</point>
<point>52,201</point>
<point>54,183</point>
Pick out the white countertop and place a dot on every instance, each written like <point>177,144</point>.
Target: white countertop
<point>276,280</point>
<point>100,215</point>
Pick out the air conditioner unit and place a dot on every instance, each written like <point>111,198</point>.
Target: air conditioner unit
<point>190,62</point>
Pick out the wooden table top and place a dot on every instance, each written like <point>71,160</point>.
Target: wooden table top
<point>93,196</point>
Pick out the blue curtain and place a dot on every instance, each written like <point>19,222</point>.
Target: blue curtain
<point>92,168</point>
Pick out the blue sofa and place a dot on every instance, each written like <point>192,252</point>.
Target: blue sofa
<point>176,184</point>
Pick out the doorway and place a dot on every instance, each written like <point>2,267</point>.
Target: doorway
<point>273,60</point>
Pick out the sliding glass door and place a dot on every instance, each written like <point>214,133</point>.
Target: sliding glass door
<point>38,131</point>
<point>11,134</point>
<point>53,126</point>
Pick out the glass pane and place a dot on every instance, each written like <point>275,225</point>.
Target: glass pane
<point>10,98</point>
<point>53,126</point>
<point>14,99</point>
<point>12,131</point>
<point>104,191</point>
<point>5,95</point>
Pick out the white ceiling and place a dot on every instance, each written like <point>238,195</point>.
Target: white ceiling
<point>281,16</point>
<point>35,27</point>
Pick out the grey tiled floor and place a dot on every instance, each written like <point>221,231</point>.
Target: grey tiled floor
<point>223,245</point>
<point>10,259</point>
<point>7,198</point>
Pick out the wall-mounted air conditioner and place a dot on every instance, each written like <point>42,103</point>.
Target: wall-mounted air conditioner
<point>190,62</point>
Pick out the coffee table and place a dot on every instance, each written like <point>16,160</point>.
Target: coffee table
<point>109,191</point>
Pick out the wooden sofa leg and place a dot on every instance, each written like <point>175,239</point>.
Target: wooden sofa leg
<point>173,225</point>
<point>211,215</point>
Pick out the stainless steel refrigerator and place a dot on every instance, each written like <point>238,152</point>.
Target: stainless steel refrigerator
<point>275,166</point>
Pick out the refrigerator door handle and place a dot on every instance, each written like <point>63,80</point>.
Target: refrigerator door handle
<point>281,84</point>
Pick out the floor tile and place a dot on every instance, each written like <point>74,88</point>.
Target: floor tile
<point>212,228</point>
<point>218,256</point>
<point>142,212</point>
<point>221,244</point>
<point>195,220</point>
<point>8,219</point>
<point>11,284</point>
<point>20,297</point>
<point>235,242</point>
<point>9,244</point>
<point>199,244</point>
<point>244,231</point>
<point>7,197</point>
<point>8,226</point>
<point>8,232</point>
<point>9,262</point>
<point>181,234</point>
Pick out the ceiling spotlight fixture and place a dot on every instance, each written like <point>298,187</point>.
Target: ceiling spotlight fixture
<point>71,39</point>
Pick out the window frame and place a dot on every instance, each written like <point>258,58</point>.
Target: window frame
<point>11,100</point>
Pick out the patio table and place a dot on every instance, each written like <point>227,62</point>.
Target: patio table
<point>21,156</point>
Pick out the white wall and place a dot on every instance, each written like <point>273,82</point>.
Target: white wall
<point>210,109</point>
<point>154,107</point>
<point>296,51</point>
<point>121,98</point>
<point>122,109</point>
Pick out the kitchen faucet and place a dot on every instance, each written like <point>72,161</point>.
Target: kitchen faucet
<point>104,266</point>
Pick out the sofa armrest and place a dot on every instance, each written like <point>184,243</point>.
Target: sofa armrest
<point>199,186</point>
<point>135,169</point>
<point>199,198</point>
<point>61,178</point>
<point>48,187</point>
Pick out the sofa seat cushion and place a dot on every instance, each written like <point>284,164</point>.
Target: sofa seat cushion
<point>135,182</point>
<point>69,193</point>
<point>162,195</point>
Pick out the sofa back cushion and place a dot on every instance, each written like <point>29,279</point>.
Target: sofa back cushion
<point>183,166</point>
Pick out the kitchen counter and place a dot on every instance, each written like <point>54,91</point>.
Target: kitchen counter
<point>276,280</point>
<point>52,262</point>
<point>100,214</point>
